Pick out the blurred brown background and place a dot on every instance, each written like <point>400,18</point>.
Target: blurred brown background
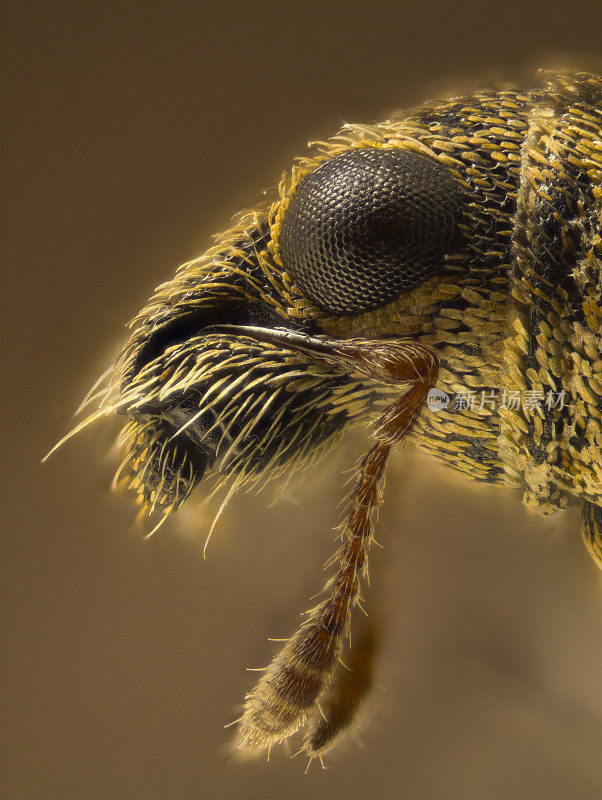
<point>132,131</point>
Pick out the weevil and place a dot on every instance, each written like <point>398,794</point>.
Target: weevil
<point>450,253</point>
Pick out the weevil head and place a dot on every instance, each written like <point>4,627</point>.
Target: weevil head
<point>352,232</point>
<point>409,228</point>
<point>349,232</point>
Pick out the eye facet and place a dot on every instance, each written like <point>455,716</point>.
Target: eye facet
<point>368,225</point>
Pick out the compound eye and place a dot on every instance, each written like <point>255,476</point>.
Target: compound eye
<point>368,225</point>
